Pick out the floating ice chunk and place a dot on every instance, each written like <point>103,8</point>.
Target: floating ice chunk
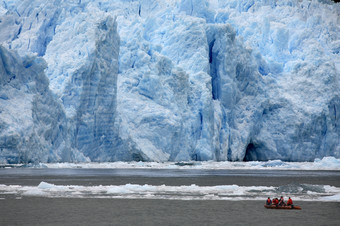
<point>191,192</point>
<point>328,161</point>
<point>332,198</point>
<point>269,165</point>
<point>45,185</point>
<point>274,163</point>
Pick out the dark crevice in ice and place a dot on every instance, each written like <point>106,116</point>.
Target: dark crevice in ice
<point>213,71</point>
<point>251,153</point>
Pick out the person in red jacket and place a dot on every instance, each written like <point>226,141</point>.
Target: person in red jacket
<point>268,202</point>
<point>275,201</point>
<point>282,202</point>
<point>290,202</point>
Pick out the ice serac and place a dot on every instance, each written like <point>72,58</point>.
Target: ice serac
<point>238,88</point>
<point>152,80</point>
<point>83,68</point>
<point>33,124</point>
<point>302,80</point>
<point>29,26</point>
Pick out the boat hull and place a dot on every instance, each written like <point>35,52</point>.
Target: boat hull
<point>283,207</point>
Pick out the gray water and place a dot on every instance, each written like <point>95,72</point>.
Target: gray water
<point>27,210</point>
<point>171,177</point>
<point>45,211</point>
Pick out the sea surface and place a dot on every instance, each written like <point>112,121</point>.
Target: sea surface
<point>165,197</point>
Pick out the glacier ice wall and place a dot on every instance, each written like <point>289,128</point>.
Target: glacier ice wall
<point>84,78</point>
<point>170,80</point>
<point>33,124</point>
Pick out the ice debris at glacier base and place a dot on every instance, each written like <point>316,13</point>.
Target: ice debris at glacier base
<point>326,163</point>
<point>170,80</point>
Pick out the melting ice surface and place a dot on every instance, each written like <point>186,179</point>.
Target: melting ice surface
<point>169,80</point>
<point>302,192</point>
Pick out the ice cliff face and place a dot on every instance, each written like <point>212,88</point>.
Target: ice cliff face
<point>169,80</point>
<point>33,124</point>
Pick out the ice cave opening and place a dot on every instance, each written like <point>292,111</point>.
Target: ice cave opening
<point>251,153</point>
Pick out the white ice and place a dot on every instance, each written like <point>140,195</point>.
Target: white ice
<point>169,80</point>
<point>191,192</point>
<point>327,163</point>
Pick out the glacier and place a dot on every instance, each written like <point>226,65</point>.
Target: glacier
<point>174,80</point>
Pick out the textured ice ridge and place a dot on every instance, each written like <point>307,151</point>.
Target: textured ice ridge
<point>173,80</point>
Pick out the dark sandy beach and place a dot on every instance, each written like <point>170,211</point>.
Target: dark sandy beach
<point>61,211</point>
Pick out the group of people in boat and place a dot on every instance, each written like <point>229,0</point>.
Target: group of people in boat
<point>279,202</point>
